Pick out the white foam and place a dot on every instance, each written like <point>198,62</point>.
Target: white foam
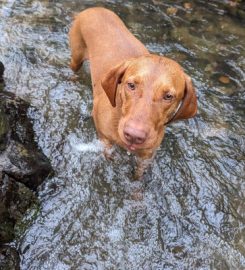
<point>94,146</point>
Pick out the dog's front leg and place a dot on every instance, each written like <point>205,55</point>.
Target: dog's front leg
<point>143,162</point>
<point>108,148</point>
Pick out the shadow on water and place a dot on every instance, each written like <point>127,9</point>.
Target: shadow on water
<point>192,211</point>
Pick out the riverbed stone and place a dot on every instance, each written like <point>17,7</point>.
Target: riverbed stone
<point>23,167</point>
<point>236,9</point>
<point>9,258</point>
<point>1,71</point>
<point>20,157</point>
<point>3,130</point>
<point>15,199</point>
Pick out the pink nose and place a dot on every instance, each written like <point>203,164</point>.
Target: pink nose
<point>133,135</point>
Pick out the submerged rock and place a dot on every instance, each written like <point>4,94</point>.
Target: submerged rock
<point>22,168</point>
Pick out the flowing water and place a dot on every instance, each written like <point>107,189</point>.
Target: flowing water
<point>190,213</point>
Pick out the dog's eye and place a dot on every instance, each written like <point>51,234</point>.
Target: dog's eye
<point>131,86</point>
<point>168,97</point>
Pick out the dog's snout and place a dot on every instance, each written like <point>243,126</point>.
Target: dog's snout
<point>134,135</point>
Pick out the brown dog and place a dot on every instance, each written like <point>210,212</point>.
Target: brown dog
<point>135,93</point>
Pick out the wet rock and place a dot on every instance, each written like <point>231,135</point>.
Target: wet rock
<point>14,111</point>
<point>26,165</point>
<point>3,130</point>
<point>21,158</point>
<point>1,71</point>
<point>22,168</point>
<point>6,223</point>
<point>236,9</point>
<point>9,258</point>
<point>15,199</point>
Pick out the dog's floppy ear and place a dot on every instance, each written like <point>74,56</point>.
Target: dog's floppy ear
<point>188,107</point>
<point>111,80</point>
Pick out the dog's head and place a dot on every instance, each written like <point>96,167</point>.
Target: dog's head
<point>151,92</point>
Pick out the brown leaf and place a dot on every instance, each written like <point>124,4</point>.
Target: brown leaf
<point>187,5</point>
<point>224,79</point>
<point>172,10</point>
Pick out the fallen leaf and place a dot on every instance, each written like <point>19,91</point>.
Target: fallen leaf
<point>233,3</point>
<point>172,11</point>
<point>187,5</point>
<point>224,79</point>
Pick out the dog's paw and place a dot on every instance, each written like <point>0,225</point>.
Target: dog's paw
<point>108,153</point>
<point>138,175</point>
<point>108,149</point>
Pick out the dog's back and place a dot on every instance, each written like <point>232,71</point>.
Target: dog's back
<point>113,45</point>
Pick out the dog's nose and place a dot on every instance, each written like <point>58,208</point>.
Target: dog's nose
<point>134,136</point>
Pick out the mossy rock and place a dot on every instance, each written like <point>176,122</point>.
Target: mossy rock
<point>3,130</point>
<point>9,258</point>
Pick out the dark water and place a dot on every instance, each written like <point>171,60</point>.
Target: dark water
<point>192,212</point>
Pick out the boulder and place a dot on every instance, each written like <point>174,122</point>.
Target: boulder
<point>23,167</point>
<point>20,157</point>
<point>1,71</point>
<point>9,258</point>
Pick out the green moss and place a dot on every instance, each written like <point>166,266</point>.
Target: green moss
<point>28,209</point>
<point>6,231</point>
<point>25,222</point>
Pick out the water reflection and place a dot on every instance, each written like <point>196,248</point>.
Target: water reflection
<point>190,211</point>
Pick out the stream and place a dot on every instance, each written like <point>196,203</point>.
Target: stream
<point>190,213</point>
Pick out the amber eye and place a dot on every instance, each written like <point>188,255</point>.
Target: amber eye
<point>168,97</point>
<point>131,86</point>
